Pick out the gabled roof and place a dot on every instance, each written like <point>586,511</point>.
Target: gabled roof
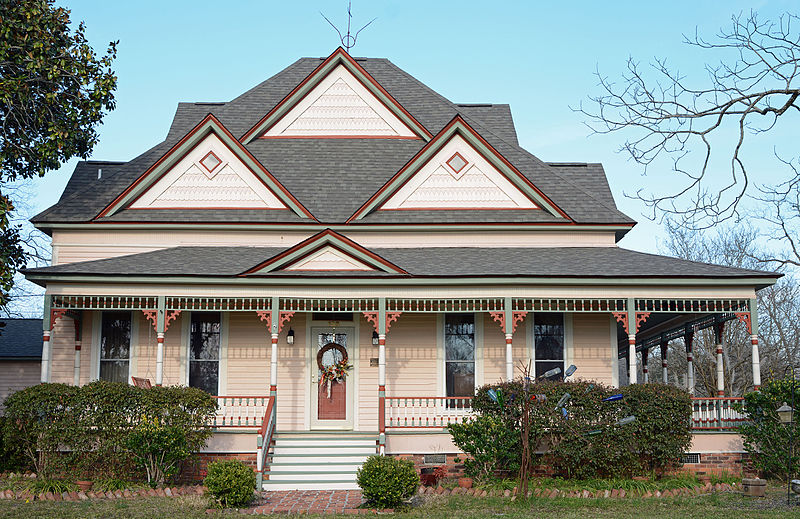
<point>294,258</point>
<point>360,166</point>
<point>20,339</point>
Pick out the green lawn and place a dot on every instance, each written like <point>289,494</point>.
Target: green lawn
<point>704,507</point>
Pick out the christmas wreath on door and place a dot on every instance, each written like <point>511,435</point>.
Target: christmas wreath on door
<point>336,371</point>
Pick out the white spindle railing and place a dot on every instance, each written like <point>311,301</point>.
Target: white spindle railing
<point>240,411</point>
<point>426,412</point>
<point>716,413</point>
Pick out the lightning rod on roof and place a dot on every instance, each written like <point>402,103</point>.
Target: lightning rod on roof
<point>348,40</point>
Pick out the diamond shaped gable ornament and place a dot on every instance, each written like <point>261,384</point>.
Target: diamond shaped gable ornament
<point>457,165</point>
<point>210,164</point>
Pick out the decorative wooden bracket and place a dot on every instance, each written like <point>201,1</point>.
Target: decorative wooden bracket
<point>372,317</point>
<point>283,317</point>
<point>516,318</point>
<point>169,316</point>
<point>622,317</point>
<point>150,315</point>
<point>56,314</point>
<point>745,318</point>
<point>640,318</point>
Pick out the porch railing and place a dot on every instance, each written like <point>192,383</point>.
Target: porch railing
<point>714,414</point>
<point>265,439</point>
<point>708,414</point>
<point>240,411</point>
<point>426,412</point>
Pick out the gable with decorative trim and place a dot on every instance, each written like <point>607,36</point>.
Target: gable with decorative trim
<point>340,106</point>
<point>326,259</point>
<point>458,177</point>
<point>209,176</point>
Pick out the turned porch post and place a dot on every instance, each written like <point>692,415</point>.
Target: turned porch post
<point>719,329</point>
<point>645,375</point>
<point>160,329</point>
<point>632,326</point>
<point>509,333</point>
<point>754,342</point>
<point>76,375</point>
<point>382,376</point>
<point>273,362</point>
<point>664,350</point>
<point>46,327</point>
<point>688,337</point>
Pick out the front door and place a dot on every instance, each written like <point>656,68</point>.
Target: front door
<point>332,356</point>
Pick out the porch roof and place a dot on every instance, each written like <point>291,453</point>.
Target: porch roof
<point>444,262</point>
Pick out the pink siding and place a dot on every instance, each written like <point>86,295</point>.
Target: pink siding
<point>592,346</point>
<point>293,395</point>
<point>62,344</point>
<point>248,355</point>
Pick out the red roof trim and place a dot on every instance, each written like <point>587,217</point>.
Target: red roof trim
<point>318,238</point>
<point>339,52</point>
<point>200,126</point>
<point>439,136</point>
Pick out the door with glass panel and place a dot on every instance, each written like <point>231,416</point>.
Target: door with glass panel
<point>332,355</point>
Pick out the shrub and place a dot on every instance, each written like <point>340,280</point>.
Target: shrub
<point>43,485</point>
<point>158,448</point>
<point>765,438</point>
<point>386,481</point>
<point>230,482</point>
<point>585,444</point>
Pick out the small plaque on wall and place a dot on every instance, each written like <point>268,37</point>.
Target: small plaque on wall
<point>373,362</point>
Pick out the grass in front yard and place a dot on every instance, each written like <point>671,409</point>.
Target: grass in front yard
<point>723,505</point>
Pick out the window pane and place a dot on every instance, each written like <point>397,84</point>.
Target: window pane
<point>459,337</point>
<point>114,370</point>
<point>115,339</point>
<point>548,332</point>
<point>204,375</point>
<point>460,378</point>
<point>204,341</point>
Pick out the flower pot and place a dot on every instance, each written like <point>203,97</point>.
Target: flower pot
<point>84,485</point>
<point>465,482</point>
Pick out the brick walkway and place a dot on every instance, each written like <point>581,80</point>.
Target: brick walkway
<point>310,501</point>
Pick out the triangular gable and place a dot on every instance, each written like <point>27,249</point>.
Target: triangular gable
<point>325,251</point>
<point>210,176</point>
<point>458,177</point>
<point>338,99</point>
<point>211,151</point>
<point>458,169</point>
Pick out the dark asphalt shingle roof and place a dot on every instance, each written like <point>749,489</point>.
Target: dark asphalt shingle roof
<point>334,177</point>
<point>20,338</point>
<point>594,262</point>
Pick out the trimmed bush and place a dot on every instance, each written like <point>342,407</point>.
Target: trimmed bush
<point>386,481</point>
<point>587,443</point>
<point>231,483</point>
<point>765,438</point>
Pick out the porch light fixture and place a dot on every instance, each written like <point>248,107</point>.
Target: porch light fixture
<point>375,340</point>
<point>290,336</point>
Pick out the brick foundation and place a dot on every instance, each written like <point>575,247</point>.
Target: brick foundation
<point>196,469</point>
<point>733,463</point>
<point>453,468</point>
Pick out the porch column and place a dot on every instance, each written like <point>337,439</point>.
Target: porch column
<point>273,362</point>
<point>46,327</point>
<point>381,376</point>
<point>160,329</point>
<point>754,343</point>
<point>76,375</point>
<point>719,328</point>
<point>645,375</point>
<point>508,324</point>
<point>664,350</point>
<point>689,339</point>
<point>632,326</point>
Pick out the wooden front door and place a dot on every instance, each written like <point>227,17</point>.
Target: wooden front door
<point>331,396</point>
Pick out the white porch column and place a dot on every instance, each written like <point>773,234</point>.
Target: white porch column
<point>754,343</point>
<point>273,366</point>
<point>689,338</point>
<point>664,350</point>
<point>382,329</point>
<point>45,376</point>
<point>160,358</point>
<point>719,330</point>
<point>632,374</point>
<point>509,358</point>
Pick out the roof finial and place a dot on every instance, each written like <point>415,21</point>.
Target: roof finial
<point>348,40</point>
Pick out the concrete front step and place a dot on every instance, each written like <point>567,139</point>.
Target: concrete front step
<point>326,442</point>
<point>315,467</point>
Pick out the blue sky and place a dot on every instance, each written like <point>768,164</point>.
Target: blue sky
<point>540,57</point>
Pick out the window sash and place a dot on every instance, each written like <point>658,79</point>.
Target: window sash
<point>204,351</point>
<point>459,354</point>
<point>549,337</point>
<point>115,346</point>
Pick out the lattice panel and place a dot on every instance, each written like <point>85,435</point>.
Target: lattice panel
<point>329,305</point>
<point>444,305</point>
<point>228,304</point>
<point>692,305</point>
<point>569,305</point>
<point>105,302</point>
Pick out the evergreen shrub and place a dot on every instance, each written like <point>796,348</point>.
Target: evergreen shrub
<point>386,481</point>
<point>230,482</point>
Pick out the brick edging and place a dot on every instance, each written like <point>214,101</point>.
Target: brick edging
<point>187,490</point>
<point>708,488</point>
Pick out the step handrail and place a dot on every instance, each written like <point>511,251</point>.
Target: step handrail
<point>264,439</point>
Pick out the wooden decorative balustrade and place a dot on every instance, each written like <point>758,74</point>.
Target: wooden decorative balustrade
<point>240,411</point>
<point>715,414</point>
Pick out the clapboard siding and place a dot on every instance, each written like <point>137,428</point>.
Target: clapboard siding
<point>592,350</point>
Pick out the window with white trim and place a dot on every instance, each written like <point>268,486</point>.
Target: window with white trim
<point>204,346</point>
<point>459,354</point>
<point>548,342</point>
<point>115,346</point>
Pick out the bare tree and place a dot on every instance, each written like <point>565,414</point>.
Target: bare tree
<point>699,128</point>
<point>778,310</point>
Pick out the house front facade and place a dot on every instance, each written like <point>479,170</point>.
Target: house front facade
<point>342,256</point>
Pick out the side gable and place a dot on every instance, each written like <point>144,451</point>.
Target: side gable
<point>458,169</point>
<point>210,151</point>
<point>325,251</point>
<point>338,88</point>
